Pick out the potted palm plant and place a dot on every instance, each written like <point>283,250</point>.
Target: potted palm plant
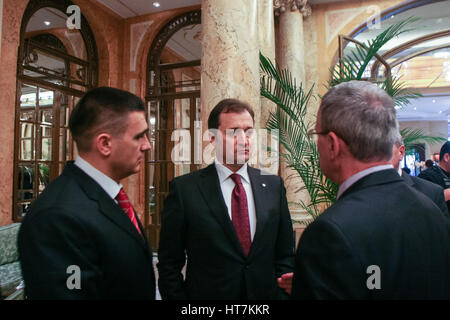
<point>292,103</point>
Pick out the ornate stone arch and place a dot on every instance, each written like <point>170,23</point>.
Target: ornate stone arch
<point>153,58</point>
<point>85,31</point>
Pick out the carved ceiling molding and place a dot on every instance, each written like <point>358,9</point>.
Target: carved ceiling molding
<point>281,6</point>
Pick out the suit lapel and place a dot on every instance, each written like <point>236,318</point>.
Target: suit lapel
<point>113,211</point>
<point>107,205</point>
<point>259,187</point>
<point>209,186</point>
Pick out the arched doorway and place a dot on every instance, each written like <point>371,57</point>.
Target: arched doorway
<point>56,65</point>
<point>173,103</point>
<point>420,59</point>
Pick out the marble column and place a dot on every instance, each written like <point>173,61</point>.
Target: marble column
<point>290,55</point>
<point>268,161</point>
<point>267,47</point>
<point>230,54</point>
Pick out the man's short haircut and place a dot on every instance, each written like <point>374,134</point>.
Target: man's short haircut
<point>363,115</point>
<point>100,110</point>
<point>228,106</point>
<point>444,149</point>
<point>429,163</point>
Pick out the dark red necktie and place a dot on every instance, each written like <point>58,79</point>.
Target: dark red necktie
<point>125,204</point>
<point>239,213</point>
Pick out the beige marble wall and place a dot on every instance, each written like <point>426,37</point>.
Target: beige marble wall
<point>1,21</point>
<point>12,18</point>
<point>230,54</point>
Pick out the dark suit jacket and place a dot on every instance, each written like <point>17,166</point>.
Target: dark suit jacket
<point>431,190</point>
<point>195,221</point>
<point>379,221</point>
<point>74,222</point>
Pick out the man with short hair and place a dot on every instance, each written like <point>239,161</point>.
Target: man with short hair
<point>82,239</point>
<point>429,163</point>
<point>440,174</point>
<point>228,222</point>
<point>431,190</point>
<point>381,239</point>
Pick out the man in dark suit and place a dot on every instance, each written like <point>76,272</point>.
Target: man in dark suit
<point>440,173</point>
<point>230,220</point>
<point>431,190</point>
<point>82,238</point>
<point>381,239</point>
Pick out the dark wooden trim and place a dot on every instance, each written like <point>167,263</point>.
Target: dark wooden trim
<point>177,65</point>
<point>172,95</point>
<point>379,58</point>
<point>47,85</point>
<point>154,55</point>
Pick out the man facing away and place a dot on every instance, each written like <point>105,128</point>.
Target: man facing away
<point>82,238</point>
<point>228,222</point>
<point>431,190</point>
<point>381,239</point>
<point>440,173</point>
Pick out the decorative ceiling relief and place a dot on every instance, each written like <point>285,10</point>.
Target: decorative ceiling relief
<point>281,6</point>
<point>335,20</point>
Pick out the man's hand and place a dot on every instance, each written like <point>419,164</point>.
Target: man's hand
<point>285,281</point>
<point>447,194</point>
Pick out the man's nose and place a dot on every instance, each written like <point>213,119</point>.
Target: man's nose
<point>147,144</point>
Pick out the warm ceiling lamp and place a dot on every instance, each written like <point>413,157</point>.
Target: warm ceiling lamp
<point>156,4</point>
<point>47,23</point>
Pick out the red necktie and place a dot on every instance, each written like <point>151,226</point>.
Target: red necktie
<point>239,213</point>
<point>125,204</point>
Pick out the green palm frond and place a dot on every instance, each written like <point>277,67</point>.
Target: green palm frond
<point>292,100</point>
<point>413,136</point>
<point>398,91</point>
<point>290,120</point>
<point>352,66</point>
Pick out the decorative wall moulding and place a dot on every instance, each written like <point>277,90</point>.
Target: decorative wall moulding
<point>280,6</point>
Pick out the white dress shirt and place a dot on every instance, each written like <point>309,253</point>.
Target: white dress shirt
<point>111,187</point>
<point>227,185</point>
<point>354,178</point>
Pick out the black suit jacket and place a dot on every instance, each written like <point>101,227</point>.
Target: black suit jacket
<point>75,223</point>
<point>195,222</point>
<point>379,221</point>
<point>431,190</point>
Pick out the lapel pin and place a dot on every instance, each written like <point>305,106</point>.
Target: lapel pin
<point>264,185</point>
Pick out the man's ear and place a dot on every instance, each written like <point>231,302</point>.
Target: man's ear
<point>446,157</point>
<point>334,147</point>
<point>212,135</point>
<point>402,150</point>
<point>103,144</point>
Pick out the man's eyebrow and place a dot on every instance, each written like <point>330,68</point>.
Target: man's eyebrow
<point>239,128</point>
<point>143,132</point>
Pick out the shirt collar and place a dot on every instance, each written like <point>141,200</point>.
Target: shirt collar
<point>111,187</point>
<point>354,178</point>
<point>224,173</point>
